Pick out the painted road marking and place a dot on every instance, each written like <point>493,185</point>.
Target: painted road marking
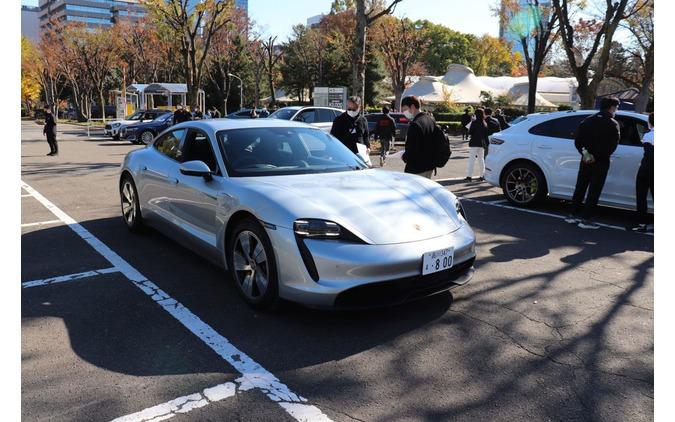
<point>26,195</point>
<point>41,223</point>
<point>547,214</point>
<point>67,278</point>
<point>184,404</point>
<point>255,375</point>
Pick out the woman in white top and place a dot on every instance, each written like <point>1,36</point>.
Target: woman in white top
<point>644,182</point>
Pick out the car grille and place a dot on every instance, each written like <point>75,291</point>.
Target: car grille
<point>393,292</point>
<point>108,127</point>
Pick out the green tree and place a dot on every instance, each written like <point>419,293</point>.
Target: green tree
<point>445,47</point>
<point>491,56</point>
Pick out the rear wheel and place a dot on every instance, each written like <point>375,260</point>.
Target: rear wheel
<point>251,264</point>
<point>131,208</point>
<point>146,137</point>
<point>524,184</point>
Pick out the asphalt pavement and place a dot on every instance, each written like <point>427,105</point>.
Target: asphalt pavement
<point>557,323</point>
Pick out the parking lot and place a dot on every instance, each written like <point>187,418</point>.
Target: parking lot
<point>557,323</point>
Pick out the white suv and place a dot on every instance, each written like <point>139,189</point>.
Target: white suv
<point>536,157</point>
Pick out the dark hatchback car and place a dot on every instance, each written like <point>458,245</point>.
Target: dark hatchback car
<point>401,124</point>
<point>145,132</point>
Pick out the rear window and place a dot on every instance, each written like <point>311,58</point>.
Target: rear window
<point>562,127</point>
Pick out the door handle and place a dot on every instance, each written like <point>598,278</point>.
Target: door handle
<point>544,147</point>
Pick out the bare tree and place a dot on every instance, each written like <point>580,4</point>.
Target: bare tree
<point>272,56</point>
<point>641,25</point>
<point>600,41</point>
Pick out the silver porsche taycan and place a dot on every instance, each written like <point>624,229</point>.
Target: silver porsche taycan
<point>291,213</point>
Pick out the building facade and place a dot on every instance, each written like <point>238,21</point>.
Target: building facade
<point>30,23</point>
<point>92,13</point>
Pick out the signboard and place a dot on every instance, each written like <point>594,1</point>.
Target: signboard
<point>330,97</point>
<point>120,107</point>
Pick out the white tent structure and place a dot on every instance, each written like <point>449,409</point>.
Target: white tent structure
<point>430,89</point>
<point>539,101</point>
<point>465,86</point>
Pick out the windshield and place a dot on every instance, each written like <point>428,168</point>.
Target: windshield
<point>272,151</point>
<point>283,114</point>
<point>164,117</point>
<point>136,116</point>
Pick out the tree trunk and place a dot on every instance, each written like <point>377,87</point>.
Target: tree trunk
<point>101,97</point>
<point>270,80</point>
<point>643,98</point>
<point>586,95</point>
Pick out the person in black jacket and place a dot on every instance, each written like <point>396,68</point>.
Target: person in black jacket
<point>181,115</point>
<point>644,182</point>
<point>419,155</point>
<point>493,126</point>
<point>501,119</point>
<point>351,128</point>
<point>50,131</point>
<point>596,140</point>
<point>478,131</point>
<point>385,129</point>
<point>465,120</point>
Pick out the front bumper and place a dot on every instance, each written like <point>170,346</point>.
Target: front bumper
<point>111,131</point>
<point>362,276</point>
<point>128,136</point>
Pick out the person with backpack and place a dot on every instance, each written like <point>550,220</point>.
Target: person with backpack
<point>385,129</point>
<point>478,132</point>
<point>426,145</point>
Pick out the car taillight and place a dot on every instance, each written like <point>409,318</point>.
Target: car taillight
<point>403,120</point>
<point>496,141</point>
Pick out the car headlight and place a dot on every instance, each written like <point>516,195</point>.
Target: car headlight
<point>116,125</point>
<point>311,228</point>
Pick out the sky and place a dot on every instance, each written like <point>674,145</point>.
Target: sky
<point>277,17</point>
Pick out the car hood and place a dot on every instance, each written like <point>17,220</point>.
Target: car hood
<point>379,206</point>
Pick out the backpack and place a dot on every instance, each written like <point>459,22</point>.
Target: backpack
<point>442,150</point>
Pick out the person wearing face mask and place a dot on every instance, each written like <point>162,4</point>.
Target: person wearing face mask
<point>420,152</point>
<point>351,128</point>
<point>596,140</point>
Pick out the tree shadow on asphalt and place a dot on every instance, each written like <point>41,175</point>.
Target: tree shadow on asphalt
<point>69,168</point>
<point>566,367</point>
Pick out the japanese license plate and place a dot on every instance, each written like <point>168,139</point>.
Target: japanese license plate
<point>433,262</point>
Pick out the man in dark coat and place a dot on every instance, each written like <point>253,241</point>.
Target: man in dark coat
<point>50,131</point>
<point>350,127</point>
<point>466,119</point>
<point>501,119</point>
<point>596,140</point>
<point>644,181</point>
<point>420,151</point>
<point>493,126</point>
<point>181,115</point>
<point>385,129</point>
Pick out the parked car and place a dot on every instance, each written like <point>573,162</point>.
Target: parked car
<point>245,113</point>
<point>321,117</point>
<point>113,128</point>
<point>536,157</point>
<point>145,132</point>
<point>402,124</point>
<point>286,209</point>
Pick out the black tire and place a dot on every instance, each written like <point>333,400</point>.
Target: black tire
<point>256,271</point>
<point>116,137</point>
<point>129,198</point>
<point>524,184</point>
<point>146,137</point>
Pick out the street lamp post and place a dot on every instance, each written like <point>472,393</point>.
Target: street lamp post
<point>241,90</point>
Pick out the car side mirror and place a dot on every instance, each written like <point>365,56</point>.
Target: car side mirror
<point>196,168</point>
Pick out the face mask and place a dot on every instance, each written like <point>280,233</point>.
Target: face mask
<point>408,115</point>
<point>352,113</point>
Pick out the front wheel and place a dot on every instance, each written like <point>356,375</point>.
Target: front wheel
<point>131,207</point>
<point>251,264</point>
<point>146,137</point>
<point>524,184</point>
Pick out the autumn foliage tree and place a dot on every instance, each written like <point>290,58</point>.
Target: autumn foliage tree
<point>31,70</point>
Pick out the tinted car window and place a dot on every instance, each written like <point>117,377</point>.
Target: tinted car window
<point>198,147</point>
<point>307,116</point>
<point>324,116</point>
<point>169,143</point>
<point>632,130</point>
<point>283,113</point>
<point>563,127</point>
<point>373,117</point>
<point>270,151</point>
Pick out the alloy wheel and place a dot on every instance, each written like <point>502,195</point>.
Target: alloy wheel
<point>251,267</point>
<point>146,137</point>
<point>128,203</point>
<point>522,185</point>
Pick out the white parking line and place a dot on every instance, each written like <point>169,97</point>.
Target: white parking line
<point>67,278</point>
<point>255,375</point>
<point>182,405</point>
<point>26,195</point>
<point>547,214</point>
<point>41,223</point>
